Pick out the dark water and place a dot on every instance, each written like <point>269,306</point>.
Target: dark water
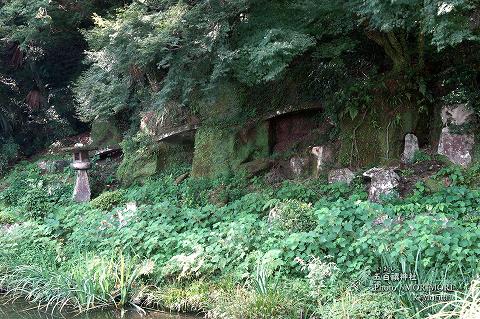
<point>25,310</point>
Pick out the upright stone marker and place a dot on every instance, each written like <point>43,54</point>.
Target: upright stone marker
<point>323,155</point>
<point>457,145</point>
<point>411,146</point>
<point>81,163</point>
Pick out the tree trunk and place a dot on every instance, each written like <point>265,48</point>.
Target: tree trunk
<point>395,48</point>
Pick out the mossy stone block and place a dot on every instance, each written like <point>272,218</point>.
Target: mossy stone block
<point>137,166</point>
<point>105,133</point>
<point>222,151</point>
<point>213,152</point>
<point>148,161</point>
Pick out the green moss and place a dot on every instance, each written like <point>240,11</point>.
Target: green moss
<point>224,141</point>
<point>224,107</point>
<point>251,143</point>
<point>108,200</point>
<point>137,167</point>
<point>214,149</point>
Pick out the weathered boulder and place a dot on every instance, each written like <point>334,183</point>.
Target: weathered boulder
<point>342,175</point>
<point>257,166</point>
<point>299,166</point>
<point>383,182</point>
<point>411,146</point>
<point>457,148</point>
<point>457,114</point>
<point>52,166</point>
<point>323,155</point>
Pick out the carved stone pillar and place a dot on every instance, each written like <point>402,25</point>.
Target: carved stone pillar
<point>81,163</point>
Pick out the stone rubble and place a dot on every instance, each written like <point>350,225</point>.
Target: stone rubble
<point>383,182</point>
<point>342,175</point>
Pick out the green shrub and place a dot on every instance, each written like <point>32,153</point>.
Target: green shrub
<point>29,244</point>
<point>37,203</point>
<point>35,195</point>
<point>421,156</point>
<point>454,173</point>
<point>8,152</point>
<point>297,191</point>
<point>108,200</point>
<point>7,218</point>
<point>293,215</point>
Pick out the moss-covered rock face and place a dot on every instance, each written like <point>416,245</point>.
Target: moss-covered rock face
<point>213,152</point>
<point>251,143</point>
<point>223,142</point>
<point>376,137</point>
<point>147,160</point>
<point>222,151</point>
<point>137,166</point>
<point>223,109</point>
<point>105,133</point>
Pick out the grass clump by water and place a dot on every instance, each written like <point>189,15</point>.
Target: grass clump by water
<point>83,283</point>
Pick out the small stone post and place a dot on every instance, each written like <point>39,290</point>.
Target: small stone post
<point>81,163</point>
<point>411,146</point>
<point>323,155</point>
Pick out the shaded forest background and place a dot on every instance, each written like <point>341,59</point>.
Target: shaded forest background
<point>66,64</point>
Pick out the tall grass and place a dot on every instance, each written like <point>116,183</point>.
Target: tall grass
<point>466,306</point>
<point>82,284</point>
<point>409,299</point>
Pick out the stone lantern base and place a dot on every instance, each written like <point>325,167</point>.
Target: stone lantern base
<point>81,193</point>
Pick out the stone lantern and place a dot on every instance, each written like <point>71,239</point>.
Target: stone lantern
<point>81,163</point>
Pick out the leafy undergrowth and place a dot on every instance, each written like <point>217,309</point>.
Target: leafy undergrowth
<point>237,248</point>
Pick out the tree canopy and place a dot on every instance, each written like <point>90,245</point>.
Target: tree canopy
<point>67,59</point>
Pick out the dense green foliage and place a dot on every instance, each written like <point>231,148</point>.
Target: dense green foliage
<point>305,239</point>
<point>173,56</point>
<point>41,53</point>
<point>233,247</point>
<point>155,51</point>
